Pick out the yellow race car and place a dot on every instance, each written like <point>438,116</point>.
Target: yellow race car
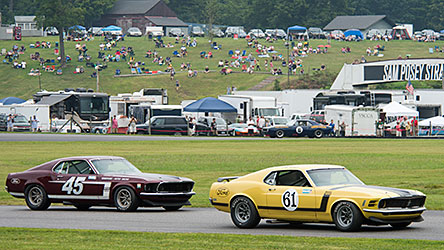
<point>314,193</point>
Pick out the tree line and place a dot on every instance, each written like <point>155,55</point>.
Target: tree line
<point>259,13</point>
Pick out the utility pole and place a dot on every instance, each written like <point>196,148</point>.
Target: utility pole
<point>97,76</point>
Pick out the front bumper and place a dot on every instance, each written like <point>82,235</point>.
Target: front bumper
<point>400,211</point>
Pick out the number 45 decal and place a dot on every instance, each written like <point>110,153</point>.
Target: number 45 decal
<point>74,185</point>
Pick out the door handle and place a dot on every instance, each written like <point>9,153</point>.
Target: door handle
<point>272,189</point>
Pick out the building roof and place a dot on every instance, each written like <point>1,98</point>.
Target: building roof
<point>132,7</point>
<point>167,21</point>
<point>24,19</point>
<point>356,22</point>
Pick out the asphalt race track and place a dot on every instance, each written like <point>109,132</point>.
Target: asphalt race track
<point>200,220</point>
<point>93,137</point>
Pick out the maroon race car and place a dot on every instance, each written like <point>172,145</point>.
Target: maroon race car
<point>98,181</point>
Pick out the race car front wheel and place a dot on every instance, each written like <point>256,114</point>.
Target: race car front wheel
<point>347,217</point>
<point>244,213</point>
<point>125,199</point>
<point>36,197</point>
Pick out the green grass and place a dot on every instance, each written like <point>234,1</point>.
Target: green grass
<point>24,238</point>
<point>15,82</point>
<point>415,164</point>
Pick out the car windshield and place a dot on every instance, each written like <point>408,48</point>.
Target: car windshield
<point>20,119</point>
<point>240,125</point>
<point>115,166</point>
<point>333,176</point>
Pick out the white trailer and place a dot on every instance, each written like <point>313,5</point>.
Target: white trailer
<point>359,121</point>
<point>251,106</point>
<point>42,113</point>
<point>120,104</point>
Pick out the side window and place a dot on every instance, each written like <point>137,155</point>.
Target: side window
<point>271,179</point>
<point>62,168</point>
<point>79,167</point>
<point>291,178</point>
<point>159,122</point>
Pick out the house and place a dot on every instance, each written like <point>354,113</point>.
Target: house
<point>28,26</point>
<point>141,14</point>
<point>362,23</point>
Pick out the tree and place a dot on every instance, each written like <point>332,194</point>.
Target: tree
<point>211,11</point>
<point>61,14</point>
<point>94,9</point>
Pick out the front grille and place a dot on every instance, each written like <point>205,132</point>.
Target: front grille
<point>410,202</point>
<point>175,187</point>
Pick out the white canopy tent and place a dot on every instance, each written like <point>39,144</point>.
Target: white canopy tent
<point>437,121</point>
<point>396,109</point>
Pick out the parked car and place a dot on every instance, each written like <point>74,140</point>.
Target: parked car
<point>98,181</point>
<point>417,35</point>
<point>298,128</point>
<point>174,32</point>
<point>20,124</point>
<point>95,31</point>
<point>3,122</point>
<point>242,129</point>
<point>217,32</point>
<point>314,193</point>
<point>170,125</point>
<point>276,33</point>
<point>197,31</point>
<point>134,31</point>
<point>230,31</point>
<point>51,31</point>
<point>318,116</point>
<point>256,33</point>
<point>316,33</point>
<point>221,125</point>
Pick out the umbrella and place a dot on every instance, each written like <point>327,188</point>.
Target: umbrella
<point>321,46</point>
<point>11,100</point>
<point>112,28</point>
<point>209,104</point>
<point>328,46</point>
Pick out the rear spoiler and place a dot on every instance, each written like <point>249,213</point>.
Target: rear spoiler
<point>227,179</point>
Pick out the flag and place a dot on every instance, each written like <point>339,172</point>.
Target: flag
<point>409,87</point>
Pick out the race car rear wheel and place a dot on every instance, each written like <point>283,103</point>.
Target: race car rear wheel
<point>347,217</point>
<point>400,225</point>
<point>36,197</point>
<point>125,199</point>
<point>280,134</point>
<point>318,133</point>
<point>172,208</point>
<point>244,213</point>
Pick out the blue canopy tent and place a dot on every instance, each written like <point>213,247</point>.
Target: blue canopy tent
<point>210,104</point>
<point>297,29</point>
<point>112,28</point>
<point>442,32</point>
<point>11,100</point>
<point>354,32</point>
<point>77,27</point>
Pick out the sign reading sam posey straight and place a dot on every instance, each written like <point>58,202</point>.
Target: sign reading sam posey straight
<point>420,70</point>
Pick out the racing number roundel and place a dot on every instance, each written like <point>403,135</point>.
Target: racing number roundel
<point>290,199</point>
<point>299,130</point>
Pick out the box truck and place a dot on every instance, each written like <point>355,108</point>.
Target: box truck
<point>359,121</point>
<point>253,105</point>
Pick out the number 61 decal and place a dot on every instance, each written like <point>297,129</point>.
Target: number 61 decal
<point>290,199</point>
<point>74,185</point>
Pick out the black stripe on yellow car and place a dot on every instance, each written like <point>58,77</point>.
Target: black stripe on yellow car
<point>322,208</point>
<point>218,204</point>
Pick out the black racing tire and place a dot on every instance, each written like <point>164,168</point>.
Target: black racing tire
<point>125,199</point>
<point>172,208</point>
<point>318,133</point>
<point>82,207</point>
<point>244,213</point>
<point>36,197</point>
<point>347,217</point>
<point>400,225</point>
<point>280,134</point>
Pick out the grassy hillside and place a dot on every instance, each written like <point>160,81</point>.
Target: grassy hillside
<point>16,82</point>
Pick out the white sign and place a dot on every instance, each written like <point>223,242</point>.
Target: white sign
<point>290,199</point>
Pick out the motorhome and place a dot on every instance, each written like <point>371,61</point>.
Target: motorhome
<point>120,104</point>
